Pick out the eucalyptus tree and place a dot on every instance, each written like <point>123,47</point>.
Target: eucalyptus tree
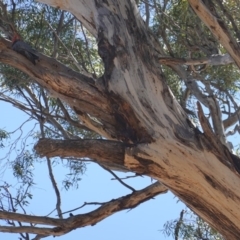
<point>149,87</point>
<point>190,226</point>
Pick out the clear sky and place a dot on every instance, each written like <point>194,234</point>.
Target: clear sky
<point>143,223</point>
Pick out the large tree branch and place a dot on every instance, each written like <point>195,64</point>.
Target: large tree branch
<point>214,60</point>
<point>232,119</point>
<point>108,153</point>
<point>216,116</point>
<point>112,114</point>
<point>176,153</point>
<point>81,220</point>
<point>80,93</point>
<point>81,10</point>
<point>218,28</point>
<point>167,146</point>
<point>102,150</point>
<point>76,89</point>
<point>30,219</point>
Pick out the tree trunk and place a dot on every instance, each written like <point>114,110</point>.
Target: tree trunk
<point>135,107</point>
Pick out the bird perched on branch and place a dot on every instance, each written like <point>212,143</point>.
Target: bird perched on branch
<point>24,49</point>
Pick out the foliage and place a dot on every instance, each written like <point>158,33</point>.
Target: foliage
<point>59,34</point>
<point>3,135</point>
<point>190,226</point>
<point>56,33</point>
<point>184,36</point>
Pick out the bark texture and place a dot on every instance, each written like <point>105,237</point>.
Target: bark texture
<point>135,107</point>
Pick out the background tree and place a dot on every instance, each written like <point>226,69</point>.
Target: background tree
<point>117,109</point>
<point>190,226</point>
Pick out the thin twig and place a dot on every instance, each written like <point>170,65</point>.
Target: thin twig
<point>119,179</point>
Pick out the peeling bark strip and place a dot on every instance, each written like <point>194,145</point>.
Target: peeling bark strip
<point>63,226</point>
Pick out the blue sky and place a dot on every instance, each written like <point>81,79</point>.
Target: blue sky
<point>143,222</point>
